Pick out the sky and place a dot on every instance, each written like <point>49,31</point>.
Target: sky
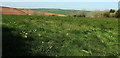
<point>62,4</point>
<point>59,0</point>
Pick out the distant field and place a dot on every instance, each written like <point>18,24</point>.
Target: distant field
<point>59,36</point>
<point>60,11</point>
<point>17,11</point>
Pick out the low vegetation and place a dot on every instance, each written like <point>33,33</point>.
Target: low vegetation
<point>59,36</point>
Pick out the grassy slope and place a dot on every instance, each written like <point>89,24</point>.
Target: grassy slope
<point>59,36</point>
<point>59,11</point>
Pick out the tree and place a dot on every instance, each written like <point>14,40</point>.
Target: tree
<point>111,11</point>
<point>117,15</point>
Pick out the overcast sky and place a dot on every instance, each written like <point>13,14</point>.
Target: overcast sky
<point>59,0</point>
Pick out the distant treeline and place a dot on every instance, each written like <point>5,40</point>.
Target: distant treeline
<point>107,13</point>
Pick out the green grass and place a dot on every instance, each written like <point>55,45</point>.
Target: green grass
<point>59,36</point>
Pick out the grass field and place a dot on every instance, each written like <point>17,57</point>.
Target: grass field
<point>59,36</point>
